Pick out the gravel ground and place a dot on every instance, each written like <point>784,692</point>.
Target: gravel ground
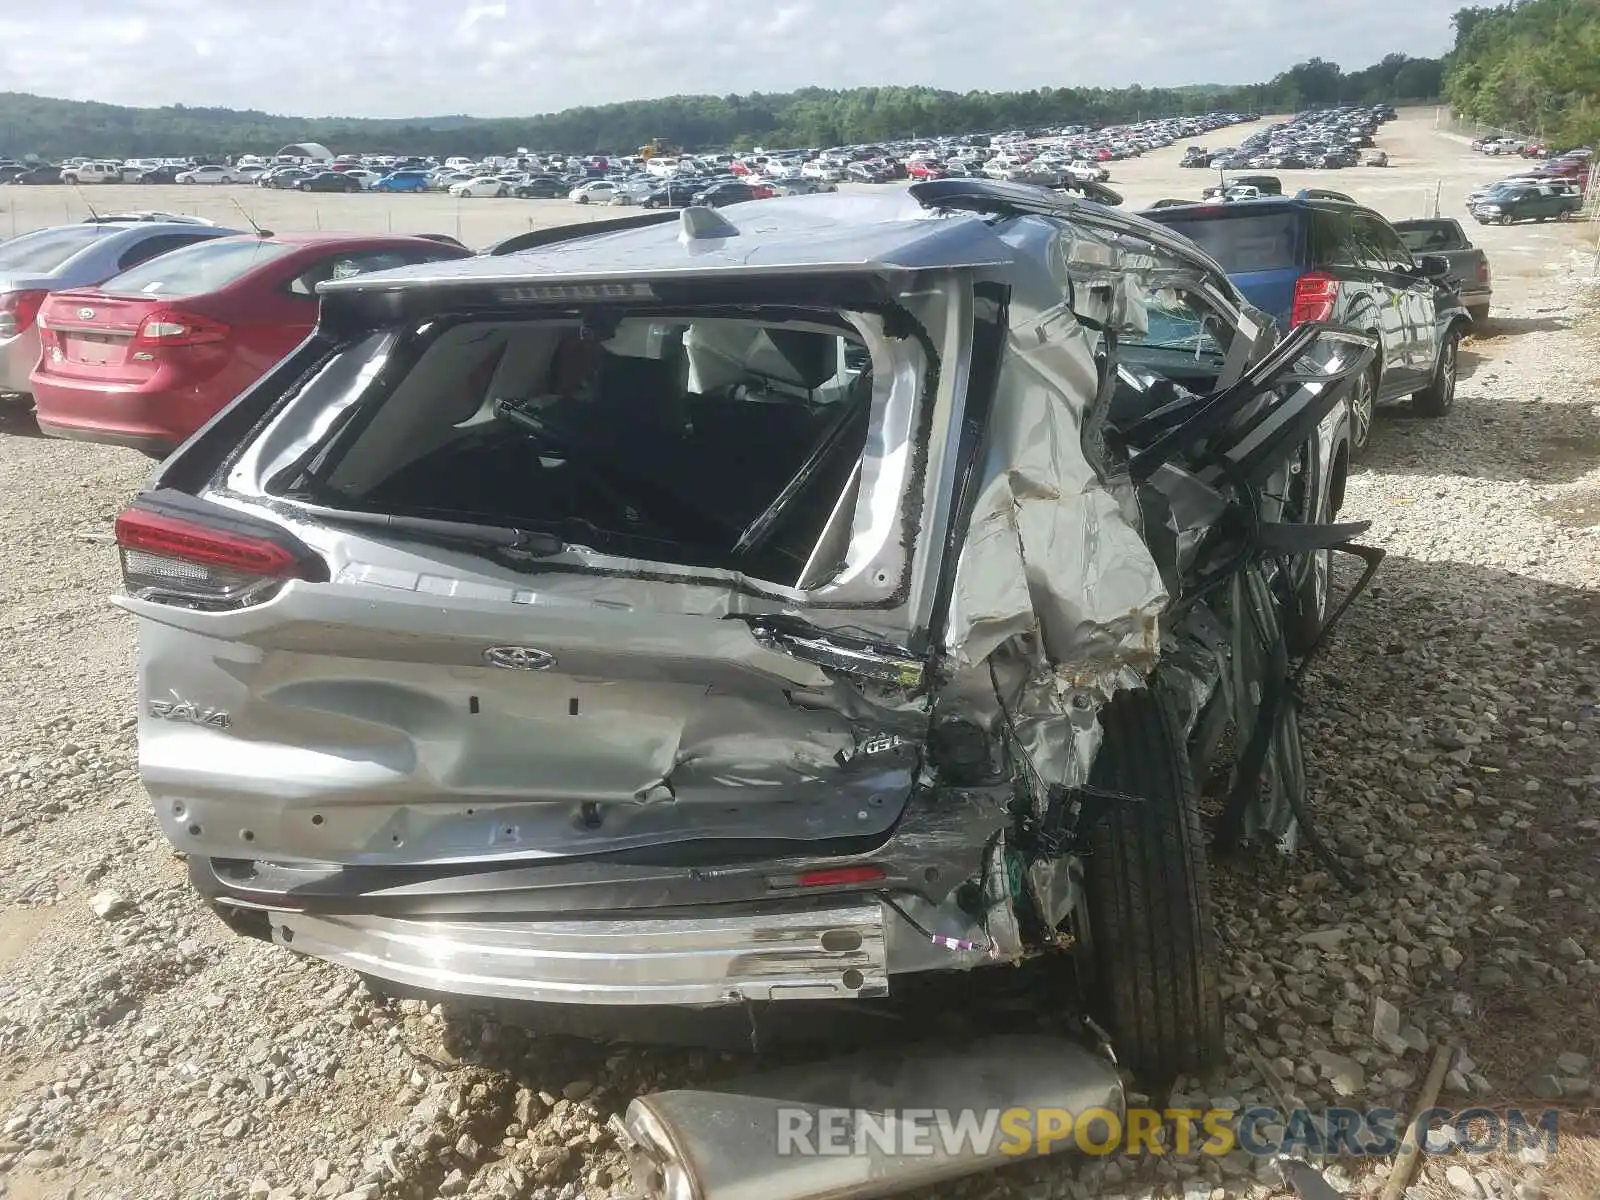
<point>147,1052</point>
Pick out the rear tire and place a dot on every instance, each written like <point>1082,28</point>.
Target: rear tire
<point>1479,315</point>
<point>1152,943</point>
<point>1363,412</point>
<point>1439,396</point>
<point>1305,607</point>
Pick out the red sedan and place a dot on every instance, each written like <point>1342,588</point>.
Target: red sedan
<point>152,354</point>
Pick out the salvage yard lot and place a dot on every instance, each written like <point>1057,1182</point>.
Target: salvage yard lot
<point>1451,729</point>
<point>1422,161</point>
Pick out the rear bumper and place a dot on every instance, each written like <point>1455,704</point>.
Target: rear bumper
<point>154,444</point>
<point>838,951</point>
<point>17,356</point>
<point>155,415</point>
<point>617,931</point>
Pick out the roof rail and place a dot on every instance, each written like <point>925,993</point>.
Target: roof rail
<point>536,238</point>
<point>996,197</point>
<point>1323,194</point>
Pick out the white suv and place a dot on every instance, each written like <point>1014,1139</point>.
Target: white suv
<point>93,172</point>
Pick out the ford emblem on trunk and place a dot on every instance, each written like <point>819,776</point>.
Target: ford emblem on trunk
<point>86,314</point>
<point>520,658</point>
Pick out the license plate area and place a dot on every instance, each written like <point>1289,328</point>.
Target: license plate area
<point>94,349</point>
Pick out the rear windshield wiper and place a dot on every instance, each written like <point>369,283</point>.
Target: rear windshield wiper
<point>462,533</point>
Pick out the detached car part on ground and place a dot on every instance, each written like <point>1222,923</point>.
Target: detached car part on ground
<point>742,607</point>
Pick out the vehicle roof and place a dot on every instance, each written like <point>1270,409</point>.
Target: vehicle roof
<point>98,253</point>
<point>322,239</point>
<point>110,229</point>
<point>820,233</point>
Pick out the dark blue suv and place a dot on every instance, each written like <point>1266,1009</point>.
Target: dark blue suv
<point>1315,257</point>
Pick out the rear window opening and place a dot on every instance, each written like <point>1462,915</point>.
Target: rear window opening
<point>1426,237</point>
<point>1244,242</point>
<point>727,442</point>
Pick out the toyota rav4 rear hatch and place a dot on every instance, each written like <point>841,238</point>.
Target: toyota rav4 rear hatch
<point>546,579</point>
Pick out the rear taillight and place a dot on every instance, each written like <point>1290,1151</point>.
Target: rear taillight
<point>207,563</point>
<point>171,327</point>
<point>18,311</point>
<point>1314,296</point>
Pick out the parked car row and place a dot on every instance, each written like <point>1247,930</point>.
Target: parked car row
<point>1554,190</point>
<point>1507,144</point>
<point>1053,156</point>
<point>1323,139</point>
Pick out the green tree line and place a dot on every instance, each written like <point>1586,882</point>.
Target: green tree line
<point>1532,66</point>
<point>53,129</point>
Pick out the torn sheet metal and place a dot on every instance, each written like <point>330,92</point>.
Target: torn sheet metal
<point>1050,550</point>
<point>1055,588</point>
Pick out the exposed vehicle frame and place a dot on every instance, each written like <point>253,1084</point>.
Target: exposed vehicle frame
<point>966,732</point>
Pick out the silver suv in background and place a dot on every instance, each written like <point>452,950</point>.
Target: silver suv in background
<point>751,606</point>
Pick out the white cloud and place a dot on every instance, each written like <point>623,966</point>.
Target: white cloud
<point>392,58</point>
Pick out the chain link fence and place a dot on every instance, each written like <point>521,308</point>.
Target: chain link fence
<point>1446,120</point>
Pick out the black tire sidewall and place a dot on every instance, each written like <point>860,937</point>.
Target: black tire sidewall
<point>1359,444</point>
<point>1149,943</point>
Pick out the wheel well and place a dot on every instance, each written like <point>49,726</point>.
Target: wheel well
<point>1340,473</point>
<point>1458,327</point>
<point>1375,368</point>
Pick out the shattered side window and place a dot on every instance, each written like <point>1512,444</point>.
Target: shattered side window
<point>1171,326</point>
<point>1176,321</point>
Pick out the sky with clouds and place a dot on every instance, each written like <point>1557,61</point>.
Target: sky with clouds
<point>393,58</point>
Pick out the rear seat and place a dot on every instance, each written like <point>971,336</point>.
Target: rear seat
<point>693,443</point>
<point>727,428</point>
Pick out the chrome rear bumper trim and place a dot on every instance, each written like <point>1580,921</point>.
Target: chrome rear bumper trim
<point>807,954</point>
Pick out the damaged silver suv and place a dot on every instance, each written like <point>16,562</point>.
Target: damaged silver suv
<point>752,605</point>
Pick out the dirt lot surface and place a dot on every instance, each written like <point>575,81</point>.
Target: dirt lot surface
<point>145,1051</point>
